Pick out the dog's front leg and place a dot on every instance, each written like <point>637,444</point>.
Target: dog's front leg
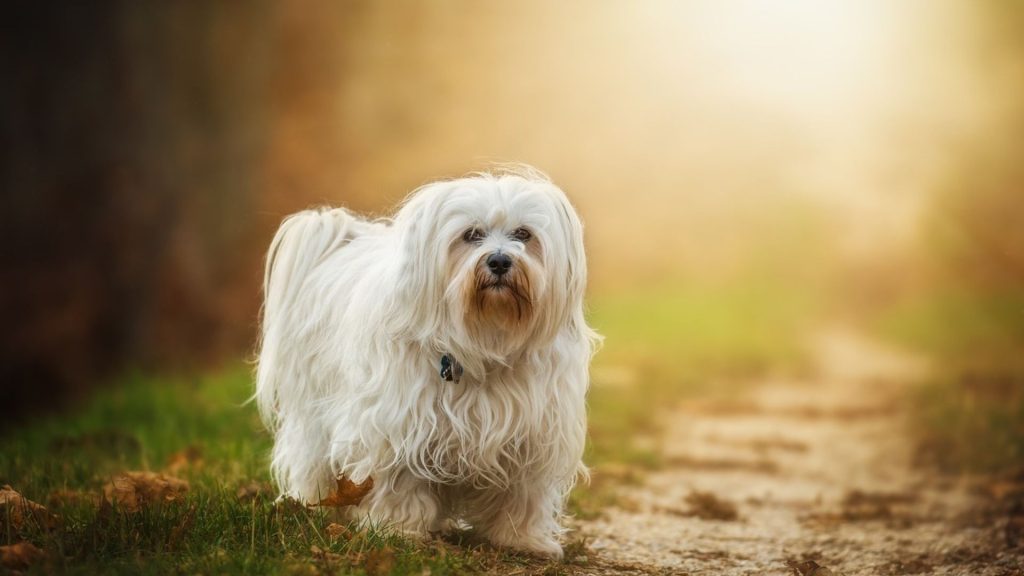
<point>523,517</point>
<point>404,503</point>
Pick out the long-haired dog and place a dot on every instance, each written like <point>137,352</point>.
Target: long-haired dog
<point>442,353</point>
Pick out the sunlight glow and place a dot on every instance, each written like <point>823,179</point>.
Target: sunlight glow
<point>817,55</point>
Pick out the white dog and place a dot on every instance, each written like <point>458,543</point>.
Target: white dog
<point>442,353</point>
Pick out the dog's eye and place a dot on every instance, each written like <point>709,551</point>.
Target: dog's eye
<point>473,235</point>
<point>522,235</point>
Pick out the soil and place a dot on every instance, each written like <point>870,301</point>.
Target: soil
<point>805,476</point>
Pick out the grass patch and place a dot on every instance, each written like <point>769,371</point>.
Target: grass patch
<point>64,462</point>
<point>969,414</point>
<point>965,328</point>
<point>972,421</point>
<point>662,345</point>
<point>673,342</point>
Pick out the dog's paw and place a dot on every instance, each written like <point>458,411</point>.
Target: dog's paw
<point>537,546</point>
<point>444,526</point>
<point>545,548</point>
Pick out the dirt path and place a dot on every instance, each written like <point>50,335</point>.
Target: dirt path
<point>800,470</point>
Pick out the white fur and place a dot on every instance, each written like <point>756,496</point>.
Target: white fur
<point>356,318</point>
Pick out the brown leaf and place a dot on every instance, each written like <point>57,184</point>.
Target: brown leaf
<point>179,531</point>
<point>289,506</point>
<point>379,561</point>
<point>809,568</point>
<point>64,498</point>
<point>1002,489</point>
<point>20,555</point>
<point>1014,532</point>
<point>18,509</point>
<point>707,506</point>
<point>348,493</point>
<point>190,457</point>
<point>323,556</point>
<point>132,491</point>
<point>252,491</point>
<point>336,531</point>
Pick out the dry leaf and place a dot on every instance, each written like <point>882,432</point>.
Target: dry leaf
<point>379,561</point>
<point>1002,489</point>
<point>336,531</point>
<point>131,491</point>
<point>809,568</point>
<point>1014,532</point>
<point>327,557</point>
<point>179,531</point>
<point>289,506</point>
<point>64,498</point>
<point>707,506</point>
<point>191,457</point>
<point>20,555</point>
<point>348,493</point>
<point>252,491</point>
<point>19,509</point>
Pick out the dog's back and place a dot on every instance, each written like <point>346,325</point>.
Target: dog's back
<point>303,241</point>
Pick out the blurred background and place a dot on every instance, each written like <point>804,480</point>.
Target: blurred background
<point>747,170</point>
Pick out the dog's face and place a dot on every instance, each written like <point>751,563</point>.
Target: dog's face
<point>496,270</point>
<point>499,261</point>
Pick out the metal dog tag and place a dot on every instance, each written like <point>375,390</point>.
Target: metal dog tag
<point>451,370</point>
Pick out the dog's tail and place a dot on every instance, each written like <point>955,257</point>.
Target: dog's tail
<point>300,244</point>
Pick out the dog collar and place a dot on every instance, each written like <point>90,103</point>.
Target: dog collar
<point>451,370</point>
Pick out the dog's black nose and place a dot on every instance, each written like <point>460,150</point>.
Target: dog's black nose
<point>499,263</point>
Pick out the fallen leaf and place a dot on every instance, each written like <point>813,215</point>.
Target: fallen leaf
<point>336,531</point>
<point>20,555</point>
<point>907,566</point>
<point>809,568</point>
<point>190,457</point>
<point>707,506</point>
<point>289,506</point>
<point>348,493</point>
<point>724,464</point>
<point>327,557</point>
<point>860,497</point>
<point>132,491</point>
<point>1014,532</point>
<point>616,473</point>
<point>379,561</point>
<point>252,491</point>
<point>576,551</point>
<point>64,498</point>
<point>179,531</point>
<point>18,509</point>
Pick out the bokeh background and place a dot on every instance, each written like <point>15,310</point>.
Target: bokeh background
<point>756,177</point>
<point>747,170</point>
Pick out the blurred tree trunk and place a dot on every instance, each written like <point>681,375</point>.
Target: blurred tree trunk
<point>129,134</point>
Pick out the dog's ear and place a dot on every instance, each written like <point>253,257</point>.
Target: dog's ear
<point>576,265</point>
<point>569,264</point>
<point>417,305</point>
<point>577,275</point>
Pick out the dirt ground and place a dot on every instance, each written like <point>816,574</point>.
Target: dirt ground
<point>798,474</point>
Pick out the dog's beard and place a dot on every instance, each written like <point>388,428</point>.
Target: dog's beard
<point>499,306</point>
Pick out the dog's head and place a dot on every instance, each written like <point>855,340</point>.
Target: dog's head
<point>491,263</point>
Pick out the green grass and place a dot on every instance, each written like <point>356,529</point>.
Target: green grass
<point>674,342</point>
<point>972,421</point>
<point>665,344</point>
<point>969,412</point>
<point>142,424</point>
<point>960,326</point>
